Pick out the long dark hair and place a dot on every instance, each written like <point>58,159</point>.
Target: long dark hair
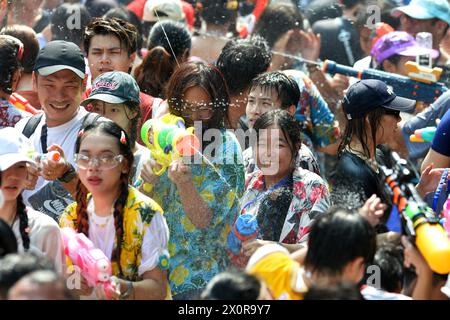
<point>112,129</point>
<point>11,50</point>
<point>167,43</point>
<point>210,79</point>
<point>358,128</point>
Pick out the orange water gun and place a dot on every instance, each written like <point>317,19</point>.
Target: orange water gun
<point>22,104</point>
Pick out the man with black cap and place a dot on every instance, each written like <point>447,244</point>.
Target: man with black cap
<point>372,111</point>
<point>59,79</point>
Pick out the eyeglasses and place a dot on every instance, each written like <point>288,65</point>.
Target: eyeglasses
<point>203,111</point>
<point>104,162</point>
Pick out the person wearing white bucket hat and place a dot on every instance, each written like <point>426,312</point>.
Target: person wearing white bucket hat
<point>34,231</point>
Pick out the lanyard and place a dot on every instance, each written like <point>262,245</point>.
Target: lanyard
<point>271,189</point>
<point>439,189</point>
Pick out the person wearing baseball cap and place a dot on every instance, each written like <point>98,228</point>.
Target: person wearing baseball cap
<point>394,49</point>
<point>425,16</point>
<point>59,78</point>
<point>372,111</point>
<point>34,231</point>
<point>115,95</point>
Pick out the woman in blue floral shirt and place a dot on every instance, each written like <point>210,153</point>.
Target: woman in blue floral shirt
<point>200,199</point>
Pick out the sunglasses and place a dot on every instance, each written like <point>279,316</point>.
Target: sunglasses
<point>394,113</point>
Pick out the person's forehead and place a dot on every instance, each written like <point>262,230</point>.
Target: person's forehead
<point>264,92</point>
<point>105,41</point>
<point>65,75</point>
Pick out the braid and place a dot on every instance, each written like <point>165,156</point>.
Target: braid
<point>82,216</point>
<point>21,212</point>
<point>119,208</point>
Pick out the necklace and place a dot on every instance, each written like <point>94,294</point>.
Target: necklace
<point>95,218</point>
<point>372,163</point>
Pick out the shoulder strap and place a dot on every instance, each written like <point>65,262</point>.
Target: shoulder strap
<point>31,125</point>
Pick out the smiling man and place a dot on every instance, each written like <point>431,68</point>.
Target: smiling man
<point>59,79</point>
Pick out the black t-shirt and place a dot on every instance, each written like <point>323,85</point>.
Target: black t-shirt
<point>353,181</point>
<point>339,41</point>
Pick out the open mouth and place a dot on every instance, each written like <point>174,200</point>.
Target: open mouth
<point>95,181</point>
<point>59,106</point>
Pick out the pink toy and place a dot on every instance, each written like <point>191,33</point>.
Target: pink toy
<point>446,215</point>
<point>94,265</point>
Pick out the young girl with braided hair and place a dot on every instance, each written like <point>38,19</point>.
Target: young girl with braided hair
<point>126,225</point>
<point>34,231</point>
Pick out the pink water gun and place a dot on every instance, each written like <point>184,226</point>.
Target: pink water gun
<point>446,216</point>
<point>94,265</point>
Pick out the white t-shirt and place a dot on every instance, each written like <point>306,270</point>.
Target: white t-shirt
<point>45,237</point>
<point>372,293</point>
<point>65,136</point>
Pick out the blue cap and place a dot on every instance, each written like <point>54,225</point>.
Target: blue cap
<point>367,95</point>
<point>425,9</point>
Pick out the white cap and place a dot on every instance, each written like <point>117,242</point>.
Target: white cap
<point>15,147</point>
<point>156,10</point>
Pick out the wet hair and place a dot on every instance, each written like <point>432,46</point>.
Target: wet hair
<point>339,291</point>
<point>276,20</point>
<point>10,62</point>
<point>59,22</point>
<point>336,239</point>
<point>16,265</point>
<point>215,12</point>
<point>286,88</point>
<point>241,60</point>
<point>153,74</point>
<point>232,285</point>
<point>207,77</point>
<point>8,241</point>
<point>128,15</point>
<point>290,128</point>
<point>112,129</point>
<point>357,127</point>
<point>389,259</point>
<point>124,31</point>
<point>30,44</point>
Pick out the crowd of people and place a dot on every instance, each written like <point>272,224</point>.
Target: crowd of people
<point>218,149</point>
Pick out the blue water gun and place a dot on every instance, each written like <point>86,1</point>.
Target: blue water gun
<point>421,85</point>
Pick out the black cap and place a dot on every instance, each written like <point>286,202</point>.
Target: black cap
<point>367,95</point>
<point>59,55</point>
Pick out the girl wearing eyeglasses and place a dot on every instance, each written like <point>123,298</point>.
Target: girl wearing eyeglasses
<point>200,198</point>
<point>126,225</point>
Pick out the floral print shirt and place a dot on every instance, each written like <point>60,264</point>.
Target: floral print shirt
<point>320,125</point>
<point>138,216</point>
<point>10,115</point>
<point>197,255</point>
<point>310,198</point>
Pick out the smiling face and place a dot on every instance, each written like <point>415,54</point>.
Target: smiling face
<point>13,181</point>
<point>60,96</point>
<point>106,53</point>
<point>274,153</point>
<point>98,179</point>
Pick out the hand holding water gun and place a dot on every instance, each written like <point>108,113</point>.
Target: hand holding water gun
<point>419,222</point>
<point>245,228</point>
<point>95,267</point>
<point>423,135</point>
<point>168,139</point>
